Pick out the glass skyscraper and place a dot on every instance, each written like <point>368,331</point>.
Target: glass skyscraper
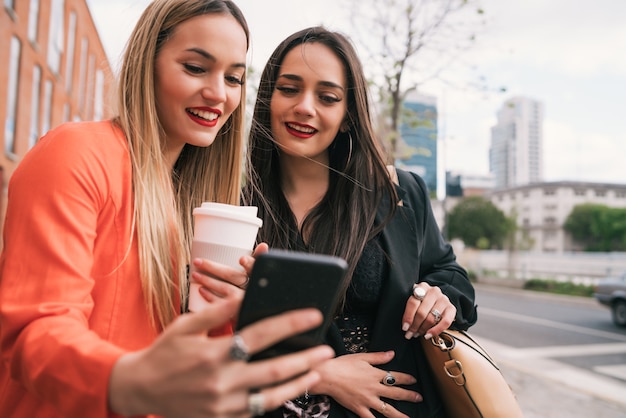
<point>418,129</point>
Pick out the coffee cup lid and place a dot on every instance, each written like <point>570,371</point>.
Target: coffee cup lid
<point>242,213</point>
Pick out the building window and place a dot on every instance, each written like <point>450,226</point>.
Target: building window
<point>69,63</point>
<point>579,192</point>
<point>33,136</point>
<point>33,21</point>
<point>82,72</point>
<point>55,36</point>
<point>66,112</point>
<point>620,195</point>
<point>91,73</point>
<point>549,192</point>
<point>12,88</point>
<point>600,193</point>
<point>47,108</point>
<point>98,111</point>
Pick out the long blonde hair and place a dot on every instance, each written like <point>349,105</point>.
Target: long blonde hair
<point>164,200</point>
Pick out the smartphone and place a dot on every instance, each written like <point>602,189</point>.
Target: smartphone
<point>283,280</point>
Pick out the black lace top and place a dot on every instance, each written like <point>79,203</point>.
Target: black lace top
<point>362,298</point>
<point>354,323</point>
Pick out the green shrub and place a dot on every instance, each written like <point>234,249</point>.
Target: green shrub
<point>562,288</point>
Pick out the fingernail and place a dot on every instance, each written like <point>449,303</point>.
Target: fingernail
<point>408,335</point>
<point>428,336</point>
<point>419,398</point>
<point>405,326</point>
<point>416,335</point>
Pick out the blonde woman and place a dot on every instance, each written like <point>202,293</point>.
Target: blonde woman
<point>97,238</point>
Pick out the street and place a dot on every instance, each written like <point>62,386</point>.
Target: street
<point>562,356</point>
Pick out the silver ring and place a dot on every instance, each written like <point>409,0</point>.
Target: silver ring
<point>244,285</point>
<point>239,349</point>
<point>383,408</point>
<point>436,314</point>
<point>388,380</point>
<point>256,404</point>
<point>419,293</point>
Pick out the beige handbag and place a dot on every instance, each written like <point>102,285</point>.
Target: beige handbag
<point>469,381</point>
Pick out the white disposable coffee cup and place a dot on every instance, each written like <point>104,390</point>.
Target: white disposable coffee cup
<point>222,233</point>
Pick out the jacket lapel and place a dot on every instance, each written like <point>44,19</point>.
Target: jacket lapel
<point>400,240</point>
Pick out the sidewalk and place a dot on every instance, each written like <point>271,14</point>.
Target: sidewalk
<point>547,388</point>
<point>540,397</point>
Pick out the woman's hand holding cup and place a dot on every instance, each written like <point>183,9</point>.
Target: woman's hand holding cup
<point>223,234</point>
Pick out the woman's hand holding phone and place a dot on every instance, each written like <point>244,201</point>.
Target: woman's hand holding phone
<point>147,381</point>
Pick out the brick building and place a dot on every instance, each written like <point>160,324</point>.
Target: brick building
<point>55,70</point>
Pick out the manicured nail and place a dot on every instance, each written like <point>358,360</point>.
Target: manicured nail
<point>419,398</point>
<point>405,326</point>
<point>408,335</point>
<point>428,336</point>
<point>416,335</point>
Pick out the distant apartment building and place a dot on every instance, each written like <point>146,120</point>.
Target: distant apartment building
<point>55,70</point>
<point>419,136</point>
<point>541,209</point>
<point>516,154</point>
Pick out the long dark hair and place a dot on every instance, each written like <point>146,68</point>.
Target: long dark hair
<point>344,220</point>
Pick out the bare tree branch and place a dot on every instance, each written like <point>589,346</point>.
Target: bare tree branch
<point>408,43</point>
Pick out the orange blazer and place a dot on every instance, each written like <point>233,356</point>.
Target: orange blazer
<point>71,301</point>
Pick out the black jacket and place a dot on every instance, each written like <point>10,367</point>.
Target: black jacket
<point>417,252</point>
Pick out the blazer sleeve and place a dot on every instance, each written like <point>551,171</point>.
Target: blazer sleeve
<point>438,265</point>
<point>46,281</point>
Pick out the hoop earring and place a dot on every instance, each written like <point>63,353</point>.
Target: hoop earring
<point>350,151</point>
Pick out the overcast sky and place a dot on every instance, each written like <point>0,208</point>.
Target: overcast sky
<point>568,54</point>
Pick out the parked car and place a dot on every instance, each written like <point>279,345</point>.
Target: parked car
<point>612,293</point>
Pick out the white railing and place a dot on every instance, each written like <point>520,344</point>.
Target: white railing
<point>579,267</point>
